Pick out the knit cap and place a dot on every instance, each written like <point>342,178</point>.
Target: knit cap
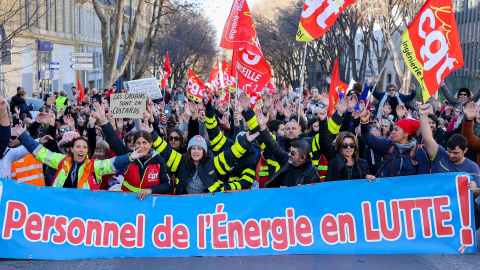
<point>67,138</point>
<point>410,126</point>
<point>198,141</point>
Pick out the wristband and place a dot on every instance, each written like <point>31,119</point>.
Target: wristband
<point>104,122</point>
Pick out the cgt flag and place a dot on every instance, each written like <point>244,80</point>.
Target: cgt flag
<point>431,46</point>
<point>166,72</point>
<point>196,88</point>
<point>215,78</point>
<point>336,89</point>
<point>318,16</point>
<point>227,77</point>
<point>239,34</point>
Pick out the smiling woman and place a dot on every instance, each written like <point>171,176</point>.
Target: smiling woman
<point>75,170</point>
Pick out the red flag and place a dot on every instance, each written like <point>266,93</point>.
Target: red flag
<point>215,78</point>
<point>271,88</point>
<point>431,47</point>
<point>283,87</point>
<point>318,16</point>
<point>166,71</point>
<point>336,86</point>
<point>239,34</point>
<point>80,89</point>
<point>223,92</point>
<point>196,88</point>
<point>308,93</point>
<point>227,77</point>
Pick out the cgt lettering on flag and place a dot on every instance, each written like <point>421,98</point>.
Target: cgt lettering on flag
<point>318,16</point>
<point>196,88</point>
<point>431,46</point>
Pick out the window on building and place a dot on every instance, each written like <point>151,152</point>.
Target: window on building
<point>79,20</point>
<point>389,78</point>
<point>71,17</point>
<point>48,15</point>
<point>56,16</point>
<point>27,12</point>
<point>37,16</point>
<point>64,14</point>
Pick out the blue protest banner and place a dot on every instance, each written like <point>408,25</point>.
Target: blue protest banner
<point>415,214</point>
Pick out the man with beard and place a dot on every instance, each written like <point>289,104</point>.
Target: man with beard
<point>296,166</point>
<point>393,99</point>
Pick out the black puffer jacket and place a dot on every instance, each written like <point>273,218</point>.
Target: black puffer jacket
<point>213,171</point>
<point>304,174</point>
<point>336,163</point>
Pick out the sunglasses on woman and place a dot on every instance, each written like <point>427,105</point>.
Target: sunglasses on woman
<point>64,129</point>
<point>174,138</point>
<point>346,145</point>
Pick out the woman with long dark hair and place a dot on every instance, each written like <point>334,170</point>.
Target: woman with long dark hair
<point>343,159</point>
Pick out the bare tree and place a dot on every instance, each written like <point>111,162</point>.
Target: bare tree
<point>190,43</point>
<point>111,16</point>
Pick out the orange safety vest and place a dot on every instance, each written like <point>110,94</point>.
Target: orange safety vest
<point>28,170</point>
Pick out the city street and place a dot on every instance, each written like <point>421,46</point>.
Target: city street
<point>284,262</point>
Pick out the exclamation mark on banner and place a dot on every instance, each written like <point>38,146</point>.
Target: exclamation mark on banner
<point>464,198</point>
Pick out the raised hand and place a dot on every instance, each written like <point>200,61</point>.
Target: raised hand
<point>342,106</point>
<point>45,139</point>
<point>251,137</point>
<point>412,87</point>
<point>244,101</point>
<point>138,154</point>
<point>92,119</point>
<point>70,121</point>
<point>352,102</point>
<point>365,116</point>
<point>3,104</point>
<point>288,112</point>
<point>261,119</point>
<point>19,129</point>
<point>386,109</point>
<point>147,128</point>
<point>356,114</point>
<point>470,110</point>
<point>425,109</point>
<point>322,114</point>
<point>17,111</point>
<point>401,110</point>
<point>267,101</point>
<point>100,111</point>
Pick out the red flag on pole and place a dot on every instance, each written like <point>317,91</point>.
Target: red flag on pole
<point>166,71</point>
<point>239,34</point>
<point>336,86</point>
<point>271,88</point>
<point>318,16</point>
<point>431,46</point>
<point>215,78</point>
<point>196,88</point>
<point>228,79</point>
<point>308,93</point>
<point>80,89</point>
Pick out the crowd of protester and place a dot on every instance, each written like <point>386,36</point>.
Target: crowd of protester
<point>183,147</point>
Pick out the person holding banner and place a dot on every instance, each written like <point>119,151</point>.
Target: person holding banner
<point>196,171</point>
<point>344,162</point>
<point>453,158</point>
<point>403,155</point>
<point>243,174</point>
<point>146,175</point>
<point>296,166</point>
<point>76,170</point>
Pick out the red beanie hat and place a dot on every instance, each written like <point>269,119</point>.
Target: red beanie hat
<point>410,126</point>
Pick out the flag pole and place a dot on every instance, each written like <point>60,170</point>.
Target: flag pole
<point>301,82</point>
<point>236,86</point>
